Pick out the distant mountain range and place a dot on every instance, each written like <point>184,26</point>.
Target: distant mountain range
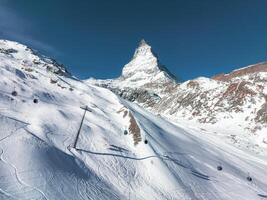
<point>233,105</point>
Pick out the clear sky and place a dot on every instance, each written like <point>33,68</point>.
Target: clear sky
<point>95,38</point>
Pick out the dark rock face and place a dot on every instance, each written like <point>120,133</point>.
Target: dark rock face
<point>8,51</point>
<point>53,66</point>
<point>262,113</point>
<point>236,94</point>
<point>137,95</point>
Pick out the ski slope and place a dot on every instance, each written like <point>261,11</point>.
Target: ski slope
<point>38,161</point>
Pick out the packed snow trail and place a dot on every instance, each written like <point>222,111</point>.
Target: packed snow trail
<point>176,163</point>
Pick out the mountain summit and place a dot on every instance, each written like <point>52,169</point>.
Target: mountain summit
<point>145,67</point>
<point>143,49</point>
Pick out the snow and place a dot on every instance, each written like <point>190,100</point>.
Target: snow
<point>203,82</point>
<point>38,161</point>
<point>241,68</point>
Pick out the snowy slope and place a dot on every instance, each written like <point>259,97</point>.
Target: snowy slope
<point>111,160</point>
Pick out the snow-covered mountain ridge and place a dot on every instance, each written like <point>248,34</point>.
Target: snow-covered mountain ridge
<point>122,151</point>
<point>232,105</point>
<point>10,50</point>
<point>252,69</point>
<point>143,71</point>
<point>145,68</point>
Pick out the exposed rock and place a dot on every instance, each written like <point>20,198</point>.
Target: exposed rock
<point>134,129</point>
<point>8,51</point>
<point>262,113</point>
<point>261,67</point>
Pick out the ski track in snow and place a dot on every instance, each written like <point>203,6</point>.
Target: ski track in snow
<point>18,178</point>
<point>36,141</point>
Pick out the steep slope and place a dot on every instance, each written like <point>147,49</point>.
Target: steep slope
<point>42,112</point>
<point>232,106</point>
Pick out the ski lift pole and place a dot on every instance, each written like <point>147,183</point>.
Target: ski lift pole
<point>80,127</point>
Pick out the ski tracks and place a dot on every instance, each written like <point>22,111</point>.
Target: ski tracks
<point>18,178</point>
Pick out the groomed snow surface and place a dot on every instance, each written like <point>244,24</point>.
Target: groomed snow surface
<point>38,161</point>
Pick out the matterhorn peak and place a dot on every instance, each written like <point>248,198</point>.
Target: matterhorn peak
<point>142,42</point>
<point>143,50</point>
<point>145,66</point>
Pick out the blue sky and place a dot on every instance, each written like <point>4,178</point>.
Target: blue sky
<point>95,38</point>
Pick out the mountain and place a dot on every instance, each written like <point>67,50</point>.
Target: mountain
<point>62,138</point>
<point>143,79</point>
<point>144,68</point>
<point>231,106</point>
